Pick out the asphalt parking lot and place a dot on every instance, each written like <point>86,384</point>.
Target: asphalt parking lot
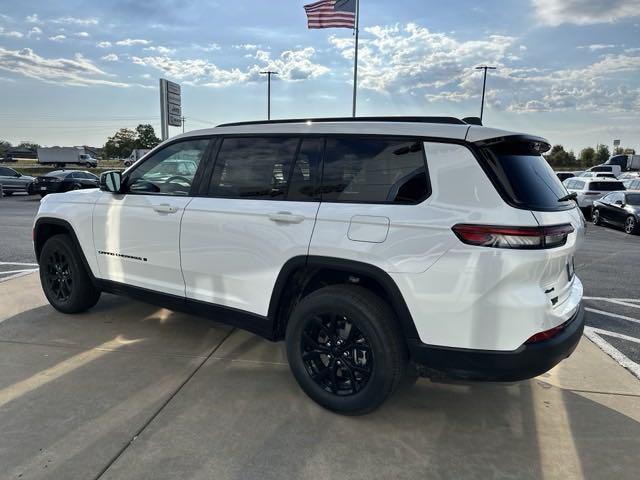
<point>128,390</point>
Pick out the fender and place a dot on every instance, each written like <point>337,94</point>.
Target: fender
<point>376,274</point>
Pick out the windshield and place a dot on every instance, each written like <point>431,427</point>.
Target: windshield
<point>633,198</point>
<point>526,178</point>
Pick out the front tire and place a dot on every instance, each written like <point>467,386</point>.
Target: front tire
<point>631,225</point>
<point>64,279</point>
<point>345,349</point>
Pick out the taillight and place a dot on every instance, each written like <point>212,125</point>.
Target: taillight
<point>513,237</point>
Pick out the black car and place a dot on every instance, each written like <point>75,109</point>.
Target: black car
<point>63,181</point>
<point>564,175</point>
<point>618,208</point>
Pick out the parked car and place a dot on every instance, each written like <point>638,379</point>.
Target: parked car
<point>613,169</point>
<point>13,181</point>
<point>621,209</point>
<point>597,175</point>
<point>632,184</point>
<point>63,181</point>
<point>589,189</point>
<point>629,176</point>
<point>364,243</point>
<point>564,175</point>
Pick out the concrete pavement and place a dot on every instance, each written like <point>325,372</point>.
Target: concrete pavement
<point>131,391</point>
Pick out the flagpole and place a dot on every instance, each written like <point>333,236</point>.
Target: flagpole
<point>355,63</point>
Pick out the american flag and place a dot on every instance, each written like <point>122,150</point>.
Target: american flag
<point>331,14</point>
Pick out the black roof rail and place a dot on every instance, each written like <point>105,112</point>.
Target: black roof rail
<point>447,120</point>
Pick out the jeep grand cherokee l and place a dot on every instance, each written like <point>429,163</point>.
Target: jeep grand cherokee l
<point>367,244</point>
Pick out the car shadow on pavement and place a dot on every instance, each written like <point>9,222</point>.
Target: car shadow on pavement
<point>75,389</point>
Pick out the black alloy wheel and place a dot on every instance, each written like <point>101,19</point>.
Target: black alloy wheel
<point>58,275</point>
<point>336,354</point>
<point>595,217</point>
<point>630,225</point>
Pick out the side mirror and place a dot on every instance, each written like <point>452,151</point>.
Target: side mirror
<point>619,202</point>
<point>111,181</point>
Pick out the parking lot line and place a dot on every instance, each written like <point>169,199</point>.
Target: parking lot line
<point>17,275</point>
<point>593,334</point>
<point>615,315</point>
<point>19,264</point>
<point>625,302</point>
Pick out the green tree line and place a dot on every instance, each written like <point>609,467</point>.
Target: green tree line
<point>559,158</point>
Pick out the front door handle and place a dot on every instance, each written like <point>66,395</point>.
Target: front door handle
<point>165,208</point>
<point>286,217</point>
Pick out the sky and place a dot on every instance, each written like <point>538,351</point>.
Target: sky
<point>73,72</point>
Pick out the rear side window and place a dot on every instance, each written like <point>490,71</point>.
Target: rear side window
<point>525,177</point>
<point>253,167</point>
<point>304,179</point>
<point>606,186</point>
<point>374,170</point>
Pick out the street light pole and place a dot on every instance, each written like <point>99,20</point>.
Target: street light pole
<point>484,86</point>
<point>268,73</point>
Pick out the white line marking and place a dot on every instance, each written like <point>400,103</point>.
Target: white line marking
<point>593,335</point>
<point>615,315</point>
<point>621,336</point>
<point>17,275</point>
<point>635,300</point>
<point>20,264</point>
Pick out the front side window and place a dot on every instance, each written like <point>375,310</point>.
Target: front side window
<point>169,171</point>
<point>374,170</point>
<point>253,167</point>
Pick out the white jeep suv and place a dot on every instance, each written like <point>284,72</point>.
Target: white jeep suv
<point>367,244</point>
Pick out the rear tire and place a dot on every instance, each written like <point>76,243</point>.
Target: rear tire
<point>345,349</point>
<point>595,217</point>
<point>64,279</point>
<point>631,225</point>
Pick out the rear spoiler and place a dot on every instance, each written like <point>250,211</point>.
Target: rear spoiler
<point>531,143</point>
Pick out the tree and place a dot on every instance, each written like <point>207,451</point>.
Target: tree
<point>146,137</point>
<point>559,157</point>
<point>587,157</point>
<point>121,144</point>
<point>4,146</point>
<point>602,155</point>
<point>125,140</point>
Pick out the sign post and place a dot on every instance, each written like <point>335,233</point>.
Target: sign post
<point>170,106</point>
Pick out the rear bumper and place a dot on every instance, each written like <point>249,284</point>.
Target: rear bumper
<point>528,361</point>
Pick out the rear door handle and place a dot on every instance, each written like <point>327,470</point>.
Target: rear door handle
<point>286,217</point>
<point>165,208</point>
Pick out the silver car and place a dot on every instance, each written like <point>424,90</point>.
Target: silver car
<point>13,181</point>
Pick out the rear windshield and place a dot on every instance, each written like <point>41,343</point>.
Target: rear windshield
<point>525,178</point>
<point>606,186</point>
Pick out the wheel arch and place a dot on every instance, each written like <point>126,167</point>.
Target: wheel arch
<point>303,274</point>
<point>47,227</point>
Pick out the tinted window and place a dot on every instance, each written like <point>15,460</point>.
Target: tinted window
<point>253,167</point>
<point>635,185</point>
<point>601,169</point>
<point>633,198</point>
<point>374,170</point>
<point>305,176</point>
<point>605,186</point>
<point>6,172</point>
<point>526,178</point>
<point>169,171</point>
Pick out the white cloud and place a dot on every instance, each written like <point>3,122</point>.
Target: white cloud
<point>57,38</point>
<point>32,18</point>
<point>598,46</point>
<point>77,71</point>
<point>11,34</point>
<point>292,65</point>
<point>161,50</point>
<point>210,47</point>
<point>247,46</point>
<point>584,12</point>
<point>111,57</point>
<point>128,42</point>
<point>82,34</point>
<point>103,44</point>
<point>76,21</point>
<point>411,60</point>
<point>34,32</point>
